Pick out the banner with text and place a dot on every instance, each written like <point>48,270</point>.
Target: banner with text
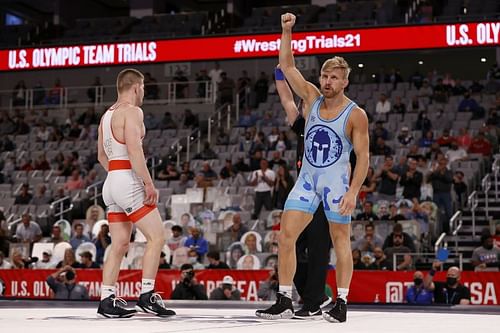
<point>253,46</point>
<point>366,286</point>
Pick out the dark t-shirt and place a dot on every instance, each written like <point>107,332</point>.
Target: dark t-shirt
<point>298,128</point>
<point>446,295</point>
<point>221,265</point>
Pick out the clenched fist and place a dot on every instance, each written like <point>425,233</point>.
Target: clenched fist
<point>287,21</point>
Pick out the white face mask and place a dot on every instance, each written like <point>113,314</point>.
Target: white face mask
<point>192,260</point>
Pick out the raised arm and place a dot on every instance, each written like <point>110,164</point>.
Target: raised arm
<point>306,90</point>
<point>286,96</point>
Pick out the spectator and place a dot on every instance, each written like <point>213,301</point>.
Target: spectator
<point>405,138</point>
<point>276,161</point>
<point>169,173</point>
<point>222,138</point>
<point>259,143</point>
<point>268,289</point>
<point>150,122</point>
<point>283,143</point>
<point>369,186</point>
<point>480,145</point>
<point>180,85</point>
<point>206,176</point>
<point>261,87</point>
<point>423,123</point>
<point>75,182</point>
<point>486,256</point>
<point>226,89</point>
<point>383,106</point>
<point>357,264</point>
<point>215,74</point>
<point>90,178</point>
<point>370,241</point>
<point>46,262</point>
<point>68,260</point>
<point>86,259</point>
<point>445,140</point>
<point>468,104</point>
<point>460,187</point>
<point>411,180</point>
<point>440,92</point>
<point>399,107</point>
<point>238,229</point>
<point>228,171</point>
<point>427,140</point>
<point>41,163</point>
<point>367,214</point>
<point>272,138</point>
<point>21,127</point>
<point>463,139</point>
<point>418,294</point>
<point>441,179</point>
<point>380,262</point>
<point>187,171</point>
<point>263,180</point>
<point>190,120</point>
<point>381,148</point>
<point>197,242</point>
<point>394,214</point>
<point>380,131</point>
<point>476,87</point>
<point>241,166</point>
<point>426,90</point>
<point>283,185</point>
<point>388,177</point>
<point>402,262</point>
<point>101,242</point>
<point>192,258</point>
<point>183,184</point>
<point>397,230</point>
<point>163,261</point>
<point>19,94</point>
<point>415,105</point>
<point>451,292</point>
<point>207,153</point>
<point>167,122</point>
<point>226,291</point>
<point>63,284</point>
<point>177,240</point>
<point>74,132</point>
<point>96,88</point>
<point>79,238</point>
<point>214,260</point>
<point>455,153</point>
<point>4,264</point>
<point>203,82</point>
<point>255,160</point>
<point>151,90</point>
<point>56,236</point>
<point>189,288</point>
<point>28,231</point>
<point>247,119</point>
<point>24,197</point>
<point>89,117</point>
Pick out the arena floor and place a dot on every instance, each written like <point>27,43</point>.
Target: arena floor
<point>70,317</point>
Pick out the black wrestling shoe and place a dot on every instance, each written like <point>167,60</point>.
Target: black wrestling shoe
<point>112,307</point>
<point>282,309</point>
<point>326,301</point>
<point>307,313</point>
<point>152,302</point>
<point>338,314</point>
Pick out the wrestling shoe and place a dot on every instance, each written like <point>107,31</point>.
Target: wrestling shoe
<point>112,307</point>
<point>282,309</point>
<point>306,313</point>
<point>152,302</point>
<point>326,301</point>
<point>338,314</point>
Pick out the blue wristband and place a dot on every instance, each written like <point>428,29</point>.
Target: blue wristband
<point>278,74</point>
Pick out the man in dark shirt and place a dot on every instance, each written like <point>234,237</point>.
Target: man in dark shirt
<point>24,197</point>
<point>398,231</point>
<point>367,214</point>
<point>189,288</point>
<point>411,180</point>
<point>389,177</point>
<point>214,260</point>
<point>441,179</point>
<point>228,171</point>
<point>450,292</point>
<point>86,260</point>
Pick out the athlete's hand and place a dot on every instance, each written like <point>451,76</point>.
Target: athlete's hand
<point>287,21</point>
<point>347,204</point>
<point>151,196</point>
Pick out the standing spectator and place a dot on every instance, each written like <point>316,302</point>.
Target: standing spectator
<point>487,256</point>
<point>480,145</point>
<point>402,262</point>
<point>441,179</point>
<point>226,291</point>
<point>261,88</point>
<point>215,73</point>
<point>460,187</point>
<point>214,260</point>
<point>19,94</point>
<point>369,186</point>
<point>28,231</point>
<point>102,241</point>
<point>87,260</point>
<point>367,214</point>
<point>383,107</point>
<point>411,180</point>
<point>67,288</point>
<point>151,90</point>
<point>24,197</point>
<point>54,96</point>
<point>96,86</point>
<point>226,89</point>
<point>451,292</point>
<point>69,259</point>
<point>370,241</point>
<point>177,240</point>
<point>203,83</point>
<point>238,229</point>
<point>56,236</point>
<point>388,177</point>
<point>418,294</point>
<point>263,180</point>
<point>180,85</point>
<point>79,238</point>
<point>189,288</point>
<point>197,242</point>
<point>283,185</point>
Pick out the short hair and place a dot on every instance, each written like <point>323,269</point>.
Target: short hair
<point>176,227</point>
<point>397,228</point>
<point>214,255</point>
<point>337,62</point>
<point>185,267</point>
<point>370,225</point>
<point>127,78</point>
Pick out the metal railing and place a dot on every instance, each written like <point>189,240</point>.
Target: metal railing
<point>438,242</point>
<point>414,254</point>
<point>57,206</point>
<point>472,202</point>
<point>456,227</point>
<point>155,162</point>
<point>93,191</point>
<point>495,169</point>
<point>216,119</point>
<point>194,136</point>
<point>486,185</point>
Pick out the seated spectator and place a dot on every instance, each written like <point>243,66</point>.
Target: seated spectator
<point>480,145</point>
<point>272,138</point>
<point>46,261</point>
<point>63,284</point>
<point>283,143</point>
<point>380,262</point>
<point>423,122</point>
<point>214,260</point>
<point>28,231</point>
<point>463,139</point>
<point>486,256</point>
<point>405,138</point>
<point>379,131</point>
<point>79,238</point>
<point>238,229</point>
<point>197,242</point>
<point>56,236</point>
<point>228,171</point>
<point>68,260</point>
<point>206,176</point>
<point>74,132</point>
<point>445,140</point>
<point>455,153</point>
<point>241,166</point>
<point>24,197</point>
<point>169,173</point>
<point>427,140</point>
<point>41,163</point>
<point>177,240</point>
<point>411,180</point>
<point>167,122</point>
<point>415,105</point>
<point>101,242</point>
<point>369,241</point>
<point>283,185</point>
<point>383,106</point>
<point>75,182</point>
<point>434,153</point>
<point>394,214</point>
<point>183,185</point>
<point>150,122</point>
<point>87,260</point>
<point>247,119</point>
<point>440,92</point>
<point>259,143</point>
<point>357,263</point>
<point>4,264</point>
<point>276,161</point>
<point>397,230</point>
<point>188,288</point>
<point>226,291</point>
<point>20,261</point>
<point>476,87</point>
<point>187,171</point>
<point>451,292</point>
<point>380,148</point>
<point>468,104</point>
<point>207,153</point>
<point>418,294</point>
<point>90,178</point>
<point>222,138</point>
<point>367,214</point>
<point>193,259</point>
<point>402,262</point>
<point>388,177</point>
<point>163,261</point>
<point>398,106</point>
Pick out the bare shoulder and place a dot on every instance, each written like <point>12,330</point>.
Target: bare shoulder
<point>133,112</point>
<point>359,117</point>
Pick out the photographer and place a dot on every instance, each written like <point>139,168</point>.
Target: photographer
<point>64,286</point>
<point>226,291</point>
<point>189,288</point>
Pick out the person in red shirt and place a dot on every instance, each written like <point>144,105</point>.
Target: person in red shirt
<point>446,139</point>
<point>480,145</point>
<point>464,139</point>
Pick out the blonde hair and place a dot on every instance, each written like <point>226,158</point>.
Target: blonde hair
<point>127,78</point>
<point>337,62</point>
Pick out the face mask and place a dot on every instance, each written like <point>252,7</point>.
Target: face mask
<point>192,260</point>
<point>418,281</point>
<point>450,281</point>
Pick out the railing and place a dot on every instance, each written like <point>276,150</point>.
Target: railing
<point>455,235</point>
<point>486,185</point>
<point>412,9</point>
<point>456,227</point>
<point>155,161</point>
<point>194,136</point>
<point>472,202</point>
<point>396,255</point>
<point>495,169</point>
<point>94,188</point>
<point>242,93</point>
<point>59,203</point>
<point>439,241</point>
<point>217,118</point>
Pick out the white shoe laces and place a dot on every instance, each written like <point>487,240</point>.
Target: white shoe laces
<point>120,301</point>
<point>156,298</point>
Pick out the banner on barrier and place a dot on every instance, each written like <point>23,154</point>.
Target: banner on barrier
<point>366,286</point>
<point>253,46</point>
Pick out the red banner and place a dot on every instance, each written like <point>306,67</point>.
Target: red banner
<point>253,46</point>
<point>366,286</point>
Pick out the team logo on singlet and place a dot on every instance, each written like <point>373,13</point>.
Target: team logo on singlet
<point>323,146</point>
